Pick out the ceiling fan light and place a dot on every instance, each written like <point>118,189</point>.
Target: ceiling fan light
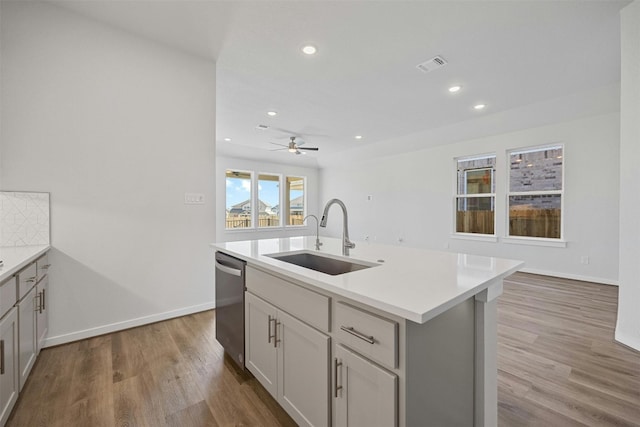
<point>292,149</point>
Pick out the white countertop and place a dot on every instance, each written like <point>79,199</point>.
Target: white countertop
<point>415,284</point>
<point>15,258</point>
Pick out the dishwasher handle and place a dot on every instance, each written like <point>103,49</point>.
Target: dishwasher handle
<point>228,270</point>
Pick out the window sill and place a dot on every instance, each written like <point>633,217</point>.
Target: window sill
<point>535,241</point>
<point>254,229</point>
<point>476,237</point>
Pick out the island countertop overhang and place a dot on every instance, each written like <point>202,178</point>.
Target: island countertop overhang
<point>412,283</point>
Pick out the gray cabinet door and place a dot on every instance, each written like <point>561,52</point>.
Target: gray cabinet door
<point>367,395</point>
<point>27,337</point>
<point>42,316</point>
<point>261,353</point>
<point>9,383</point>
<point>303,365</point>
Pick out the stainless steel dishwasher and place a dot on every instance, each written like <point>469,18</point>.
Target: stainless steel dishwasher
<point>230,275</point>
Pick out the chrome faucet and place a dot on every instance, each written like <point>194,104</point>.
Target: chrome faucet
<point>318,242</point>
<point>346,243</point>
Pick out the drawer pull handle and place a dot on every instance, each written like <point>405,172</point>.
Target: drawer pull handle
<point>30,280</point>
<point>363,337</point>
<point>336,387</point>
<point>275,332</point>
<point>2,357</point>
<point>46,266</point>
<point>43,307</point>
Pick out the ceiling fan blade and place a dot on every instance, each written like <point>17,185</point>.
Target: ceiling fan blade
<point>279,149</point>
<point>281,145</point>
<point>308,148</point>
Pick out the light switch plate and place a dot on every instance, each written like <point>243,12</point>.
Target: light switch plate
<point>193,199</point>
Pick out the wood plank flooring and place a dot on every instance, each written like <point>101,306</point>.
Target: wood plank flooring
<point>171,373</point>
<point>558,366</point>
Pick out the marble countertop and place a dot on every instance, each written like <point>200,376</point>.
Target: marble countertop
<point>415,284</point>
<point>14,258</point>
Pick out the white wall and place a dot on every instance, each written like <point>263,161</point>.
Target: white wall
<point>628,327</point>
<point>117,129</point>
<point>413,197</point>
<point>224,162</point>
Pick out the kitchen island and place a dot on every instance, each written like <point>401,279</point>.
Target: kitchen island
<point>409,341</point>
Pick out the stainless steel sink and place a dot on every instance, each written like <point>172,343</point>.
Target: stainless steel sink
<point>322,263</point>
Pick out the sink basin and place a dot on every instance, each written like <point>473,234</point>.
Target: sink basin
<point>323,264</point>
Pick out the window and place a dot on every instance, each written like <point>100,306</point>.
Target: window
<point>294,197</point>
<point>238,200</point>
<point>259,204</point>
<point>475,195</point>
<point>268,200</point>
<point>535,192</point>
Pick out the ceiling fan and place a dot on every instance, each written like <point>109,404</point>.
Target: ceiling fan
<point>293,146</point>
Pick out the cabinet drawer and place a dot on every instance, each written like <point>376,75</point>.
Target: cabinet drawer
<point>369,334</point>
<point>42,266</point>
<point>7,295</point>
<point>308,306</point>
<point>26,279</point>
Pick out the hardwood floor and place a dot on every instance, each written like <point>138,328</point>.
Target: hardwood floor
<point>558,366</point>
<point>171,373</point>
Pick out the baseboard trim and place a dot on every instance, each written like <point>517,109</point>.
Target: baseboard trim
<point>132,323</point>
<point>627,341</point>
<point>571,276</point>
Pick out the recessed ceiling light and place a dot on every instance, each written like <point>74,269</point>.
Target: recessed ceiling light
<point>454,89</point>
<point>272,113</point>
<point>228,139</point>
<point>309,49</point>
<point>358,137</point>
<point>479,106</point>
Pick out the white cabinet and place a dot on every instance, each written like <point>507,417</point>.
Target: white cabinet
<point>42,314</point>
<point>365,394</point>
<point>27,337</point>
<point>290,359</point>
<point>42,289</point>
<point>9,383</point>
<point>261,353</point>
<point>387,371</point>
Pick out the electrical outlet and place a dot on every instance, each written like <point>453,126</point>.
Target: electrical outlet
<point>193,199</point>
<point>584,260</point>
<point>369,198</point>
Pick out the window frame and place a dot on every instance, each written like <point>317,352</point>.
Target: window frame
<point>534,240</point>
<point>257,185</point>
<point>456,196</point>
<point>255,197</point>
<point>251,192</point>
<point>304,201</point>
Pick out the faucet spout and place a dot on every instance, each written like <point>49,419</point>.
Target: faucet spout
<point>346,243</point>
<point>318,242</point>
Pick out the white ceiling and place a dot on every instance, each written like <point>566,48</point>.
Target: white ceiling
<point>363,80</point>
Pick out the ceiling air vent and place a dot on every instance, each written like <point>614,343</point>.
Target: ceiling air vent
<point>262,127</point>
<point>432,64</point>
